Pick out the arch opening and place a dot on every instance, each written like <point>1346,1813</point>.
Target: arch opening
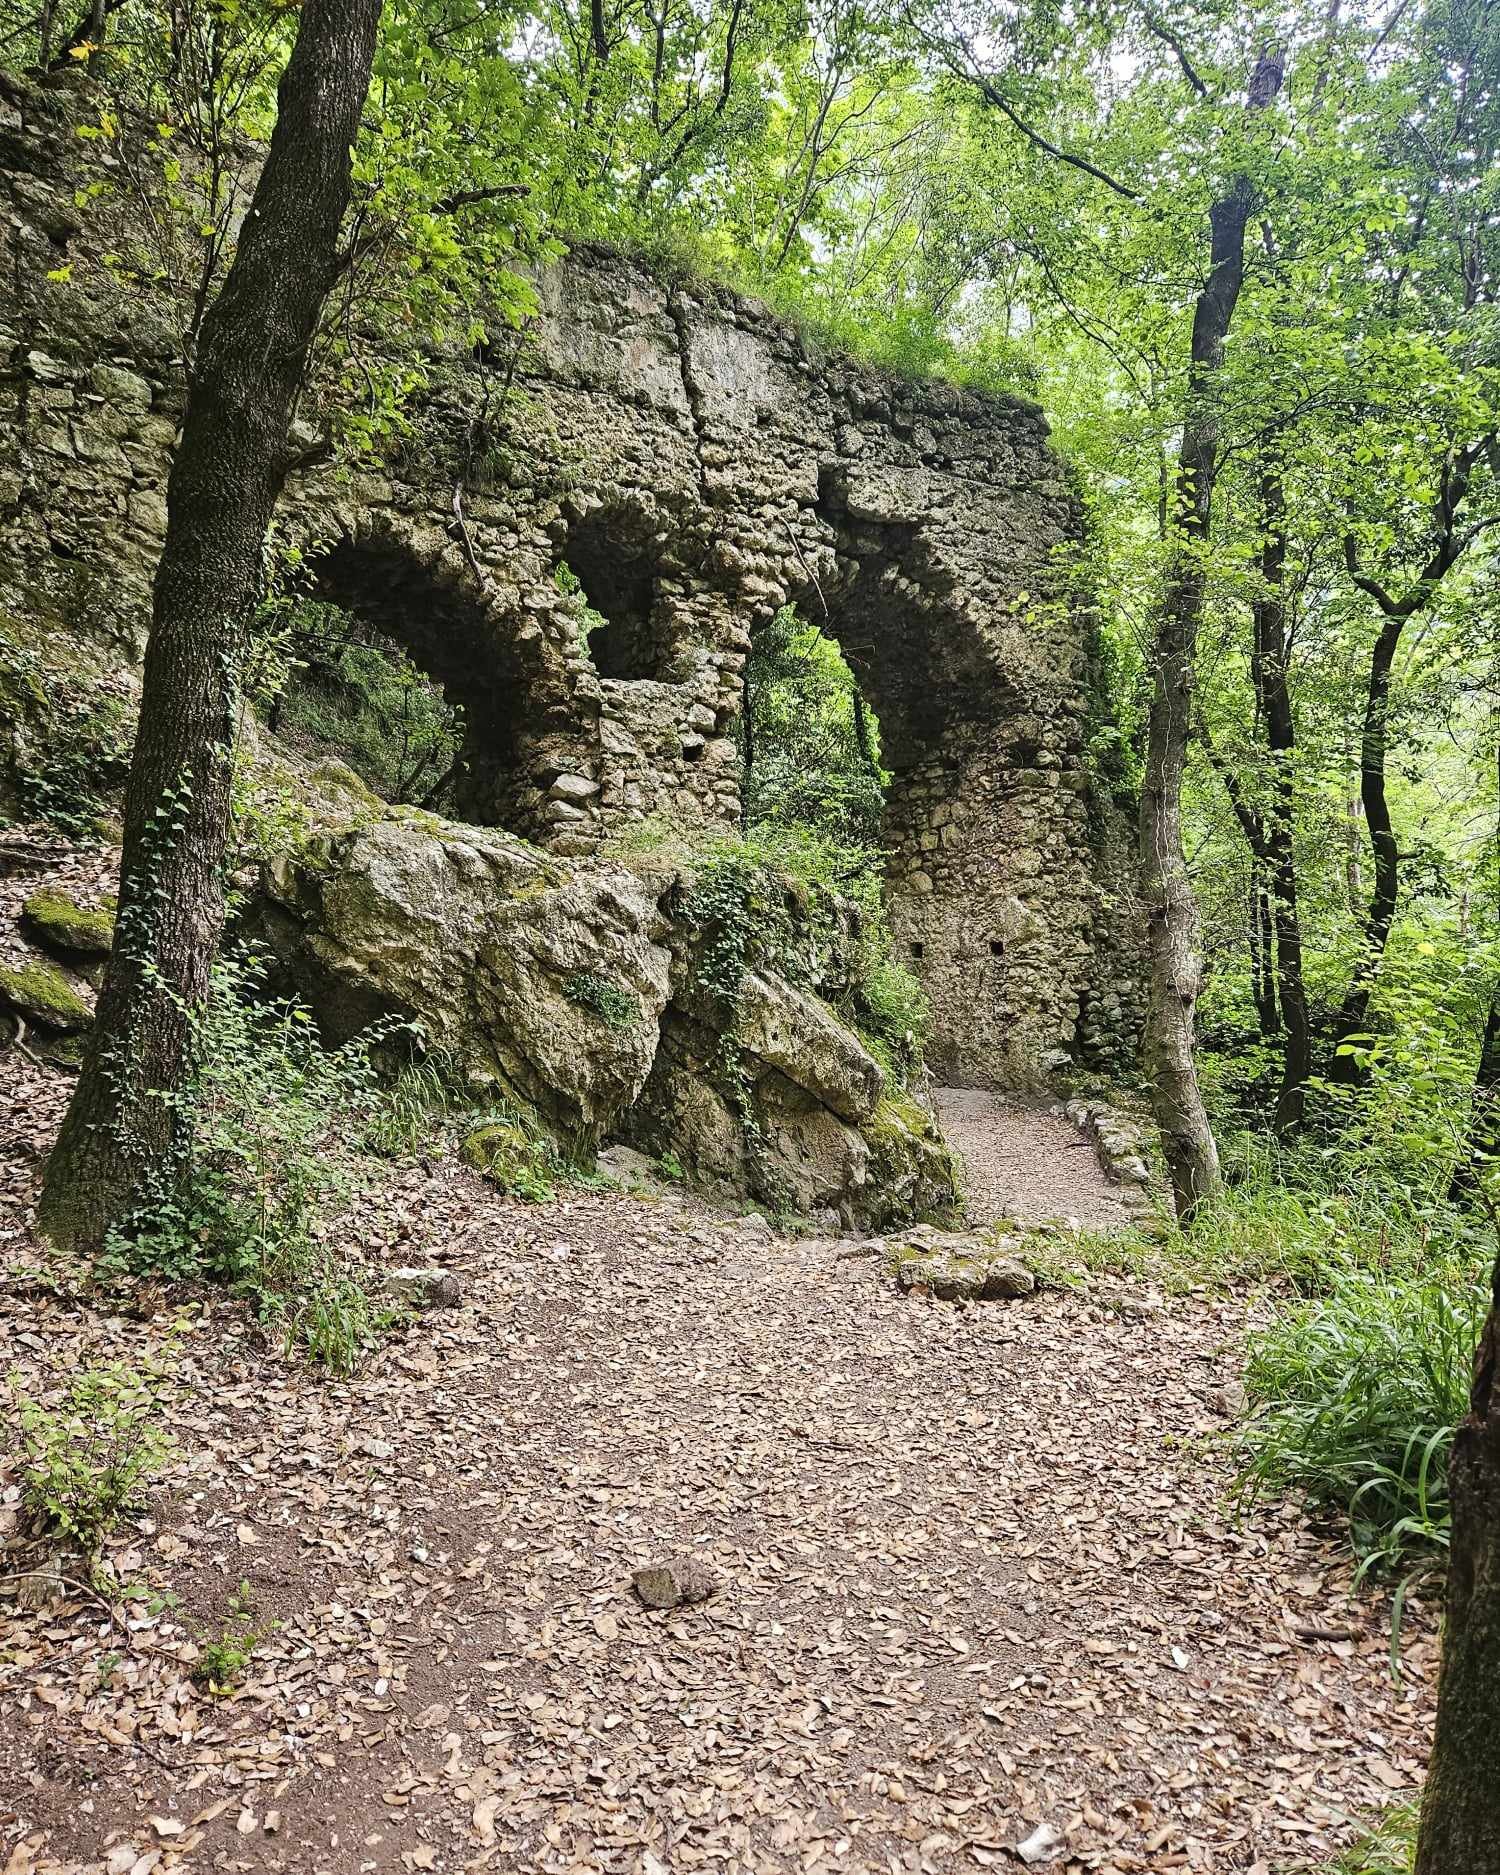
<point>810,744</point>
<point>405,677</point>
<point>355,694</point>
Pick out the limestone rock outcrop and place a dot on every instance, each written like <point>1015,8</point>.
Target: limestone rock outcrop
<point>492,947</point>
<point>569,988</point>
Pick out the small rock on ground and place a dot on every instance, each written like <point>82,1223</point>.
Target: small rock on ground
<point>676,1584</point>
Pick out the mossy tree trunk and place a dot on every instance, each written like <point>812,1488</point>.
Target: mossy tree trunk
<point>120,1137</point>
<point>1460,1828</point>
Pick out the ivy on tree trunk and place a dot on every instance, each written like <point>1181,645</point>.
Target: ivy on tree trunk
<point>121,1137</point>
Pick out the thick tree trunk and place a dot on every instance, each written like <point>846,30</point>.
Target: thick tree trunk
<point>1171,910</point>
<point>1460,1828</point>
<point>124,1124</point>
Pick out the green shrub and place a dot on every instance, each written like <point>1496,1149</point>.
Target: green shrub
<point>895,1007</point>
<point>1389,1849</point>
<point>86,1461</point>
<point>1357,1392</point>
<point>617,1009</point>
<point>276,1150</point>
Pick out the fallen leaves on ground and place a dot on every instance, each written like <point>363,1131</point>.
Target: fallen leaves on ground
<point>981,1584</point>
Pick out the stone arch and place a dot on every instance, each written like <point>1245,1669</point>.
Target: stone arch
<point>418,591</point>
<point>985,803</point>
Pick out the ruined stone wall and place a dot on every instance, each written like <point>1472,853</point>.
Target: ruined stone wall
<point>695,465</point>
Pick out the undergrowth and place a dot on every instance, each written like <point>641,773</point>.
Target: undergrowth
<point>1357,1393</point>
<point>1359,1372</point>
<point>335,686</point>
<point>1389,1849</point>
<point>224,1660</point>
<point>86,1461</point>
<point>280,1137</point>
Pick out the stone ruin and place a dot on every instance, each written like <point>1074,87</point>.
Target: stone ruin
<point>696,464</point>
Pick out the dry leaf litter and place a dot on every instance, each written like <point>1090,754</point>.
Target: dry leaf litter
<point>980,1598</point>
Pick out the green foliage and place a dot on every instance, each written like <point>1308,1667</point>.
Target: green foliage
<point>895,1008</point>
<point>274,1157</point>
<point>616,1008</point>
<point>223,1662</point>
<point>811,746</point>
<point>86,1461</point>
<point>1389,1849</point>
<point>589,619</point>
<point>1357,1393</point>
<point>350,692</point>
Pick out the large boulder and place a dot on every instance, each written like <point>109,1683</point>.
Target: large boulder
<point>792,1109</point>
<point>541,980</point>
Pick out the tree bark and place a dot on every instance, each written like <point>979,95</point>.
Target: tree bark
<point>1263,955</point>
<point>120,1141</point>
<point>1460,1827</point>
<point>1480,1152</point>
<point>1171,910</point>
<point>1271,659</point>
<point>1381,911</point>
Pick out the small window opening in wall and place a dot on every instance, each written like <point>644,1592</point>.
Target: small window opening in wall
<point>614,578</point>
<point>997,949</point>
<point>918,950</point>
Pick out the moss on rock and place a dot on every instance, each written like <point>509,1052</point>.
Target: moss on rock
<point>509,1157</point>
<point>40,992</point>
<point>60,923</point>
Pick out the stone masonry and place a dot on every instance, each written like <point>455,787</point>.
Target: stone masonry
<point>694,464</point>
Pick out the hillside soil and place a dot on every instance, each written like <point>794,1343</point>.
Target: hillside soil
<point>980,1583</point>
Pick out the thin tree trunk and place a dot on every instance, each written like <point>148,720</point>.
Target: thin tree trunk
<point>1460,1827</point>
<point>1171,911</point>
<point>1451,539</point>
<point>120,1139</point>
<point>1273,690</point>
<point>1380,913</point>
<point>1481,1148</point>
<point>1262,955</point>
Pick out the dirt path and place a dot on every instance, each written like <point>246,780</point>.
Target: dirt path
<point>978,1576</point>
<point>1026,1163</point>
